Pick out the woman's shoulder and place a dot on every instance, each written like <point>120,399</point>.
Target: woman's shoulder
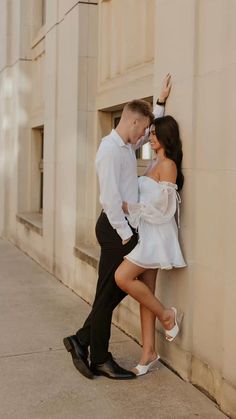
<point>168,163</point>
<point>168,170</point>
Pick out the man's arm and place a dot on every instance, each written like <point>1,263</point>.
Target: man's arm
<point>159,108</point>
<point>108,166</point>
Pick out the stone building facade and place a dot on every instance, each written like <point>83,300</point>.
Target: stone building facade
<point>67,68</point>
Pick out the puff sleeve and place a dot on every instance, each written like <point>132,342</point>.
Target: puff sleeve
<point>159,212</point>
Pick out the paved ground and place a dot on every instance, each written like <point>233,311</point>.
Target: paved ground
<point>37,378</point>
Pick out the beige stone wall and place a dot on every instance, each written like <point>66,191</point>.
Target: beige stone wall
<point>125,46</point>
<point>70,75</point>
<point>200,52</point>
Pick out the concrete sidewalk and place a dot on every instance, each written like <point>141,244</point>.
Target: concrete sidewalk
<point>38,379</point>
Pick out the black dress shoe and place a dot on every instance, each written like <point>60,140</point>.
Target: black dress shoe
<point>111,369</point>
<point>79,355</point>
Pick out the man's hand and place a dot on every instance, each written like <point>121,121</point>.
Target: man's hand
<point>125,207</point>
<point>165,90</point>
<point>126,241</point>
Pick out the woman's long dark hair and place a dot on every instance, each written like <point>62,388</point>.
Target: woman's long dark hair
<point>167,132</point>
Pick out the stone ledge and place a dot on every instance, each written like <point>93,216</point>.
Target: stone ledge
<point>88,253</point>
<point>32,221</point>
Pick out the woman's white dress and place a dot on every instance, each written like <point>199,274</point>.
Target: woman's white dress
<point>153,216</point>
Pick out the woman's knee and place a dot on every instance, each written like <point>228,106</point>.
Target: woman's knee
<point>119,278</point>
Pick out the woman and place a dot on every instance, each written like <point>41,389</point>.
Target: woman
<point>158,246</point>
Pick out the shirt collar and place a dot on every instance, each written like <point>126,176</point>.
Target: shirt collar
<point>118,139</point>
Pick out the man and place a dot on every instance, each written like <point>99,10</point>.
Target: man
<point>117,172</point>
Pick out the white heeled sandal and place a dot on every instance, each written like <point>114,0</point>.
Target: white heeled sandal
<point>143,369</point>
<point>172,333</point>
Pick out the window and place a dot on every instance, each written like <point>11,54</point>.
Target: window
<point>116,119</point>
<point>37,178</point>
<point>43,14</point>
<point>41,170</point>
<point>144,153</point>
<point>30,203</point>
<point>39,18</point>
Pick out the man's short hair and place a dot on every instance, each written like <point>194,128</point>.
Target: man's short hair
<point>140,106</point>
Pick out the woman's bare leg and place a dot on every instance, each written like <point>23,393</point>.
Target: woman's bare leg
<point>126,277</point>
<point>148,320</point>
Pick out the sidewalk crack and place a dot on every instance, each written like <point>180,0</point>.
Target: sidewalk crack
<point>31,353</point>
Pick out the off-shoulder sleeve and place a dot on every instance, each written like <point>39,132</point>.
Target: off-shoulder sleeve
<point>161,213</point>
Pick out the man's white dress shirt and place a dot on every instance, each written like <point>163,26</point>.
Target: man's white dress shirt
<point>116,167</point>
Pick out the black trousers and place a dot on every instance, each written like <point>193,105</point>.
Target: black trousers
<point>97,327</point>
